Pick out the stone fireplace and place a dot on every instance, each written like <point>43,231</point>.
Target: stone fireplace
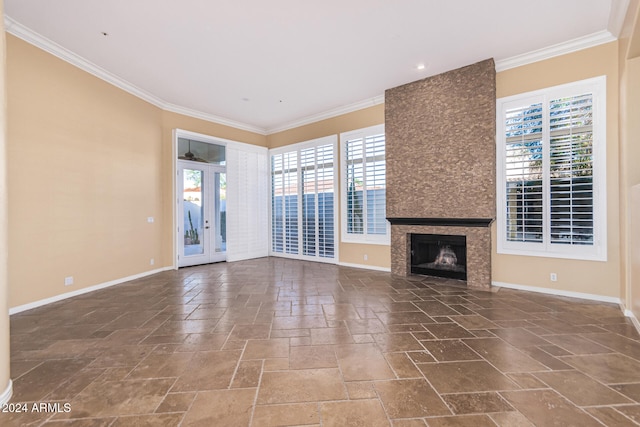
<point>441,166</point>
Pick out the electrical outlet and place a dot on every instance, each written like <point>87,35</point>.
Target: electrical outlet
<point>150,219</point>
<point>366,257</point>
<point>553,277</point>
<point>68,281</point>
<point>152,261</point>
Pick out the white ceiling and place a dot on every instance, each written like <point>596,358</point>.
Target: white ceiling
<point>269,65</point>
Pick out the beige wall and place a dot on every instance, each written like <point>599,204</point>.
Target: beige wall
<point>88,163</point>
<point>629,53</point>
<point>598,278</point>
<point>350,253</point>
<point>84,163</point>
<point>4,284</point>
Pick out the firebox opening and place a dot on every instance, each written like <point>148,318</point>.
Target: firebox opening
<point>439,255</point>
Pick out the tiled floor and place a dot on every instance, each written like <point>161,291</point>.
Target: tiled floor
<point>279,342</point>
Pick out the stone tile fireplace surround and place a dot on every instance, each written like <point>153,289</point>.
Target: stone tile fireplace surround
<point>441,164</point>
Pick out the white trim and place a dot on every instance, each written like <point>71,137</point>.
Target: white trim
<point>15,28</point>
<point>557,292</point>
<point>39,303</point>
<point>364,238</point>
<point>7,393</point>
<point>323,140</point>
<point>365,267</point>
<point>631,316</point>
<point>345,109</point>
<point>212,118</point>
<point>545,249</point>
<point>580,43</point>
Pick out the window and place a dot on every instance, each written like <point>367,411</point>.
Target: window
<point>364,186</point>
<point>551,172</point>
<point>303,200</point>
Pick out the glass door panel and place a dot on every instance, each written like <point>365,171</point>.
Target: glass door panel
<point>220,182</point>
<point>193,211</point>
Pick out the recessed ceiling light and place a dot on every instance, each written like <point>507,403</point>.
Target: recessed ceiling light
<point>420,67</point>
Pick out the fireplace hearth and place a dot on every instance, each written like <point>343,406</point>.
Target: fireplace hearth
<point>439,255</point>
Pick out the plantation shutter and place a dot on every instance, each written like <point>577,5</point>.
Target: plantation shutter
<point>375,184</point>
<point>355,185</point>
<point>524,173</point>
<point>571,170</point>
<point>247,209</point>
<point>277,203</point>
<point>303,200</point>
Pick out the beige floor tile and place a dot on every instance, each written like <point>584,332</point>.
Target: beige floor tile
<point>285,415</point>
<point>176,402</point>
<point>473,376</point>
<point>361,390</point>
<point>510,419</point>
<point>611,417</point>
<point>301,386</point>
<point>309,357</point>
<point>410,399</point>
<point>461,421</point>
<point>357,413</point>
<point>119,398</point>
<point>581,389</point>
<point>156,420</point>
<point>504,356</point>
<point>331,336</point>
<point>248,374</point>
<point>608,368</point>
<point>476,403</point>
<point>221,408</point>
<point>402,365</point>
<point>559,411</point>
<point>210,370</point>
<point>362,362</point>
<point>266,349</point>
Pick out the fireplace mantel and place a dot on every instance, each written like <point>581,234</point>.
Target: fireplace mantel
<point>446,222</point>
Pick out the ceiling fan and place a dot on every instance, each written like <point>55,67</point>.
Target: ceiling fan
<point>190,156</point>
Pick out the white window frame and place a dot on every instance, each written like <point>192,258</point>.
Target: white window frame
<point>345,236</point>
<point>595,252</point>
<point>297,148</point>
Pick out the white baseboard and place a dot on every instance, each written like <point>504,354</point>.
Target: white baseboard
<point>7,393</point>
<point>366,267</point>
<point>631,316</point>
<point>558,292</point>
<point>66,295</point>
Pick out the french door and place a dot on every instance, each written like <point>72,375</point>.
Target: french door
<point>201,213</point>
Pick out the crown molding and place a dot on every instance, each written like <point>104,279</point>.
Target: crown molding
<point>213,118</point>
<point>376,100</point>
<point>15,28</point>
<point>564,48</point>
